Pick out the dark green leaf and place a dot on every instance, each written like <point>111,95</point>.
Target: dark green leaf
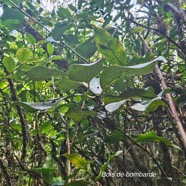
<point>110,47</point>
<point>85,72</point>
<point>87,49</point>
<point>42,73</point>
<point>67,84</point>
<point>59,30</point>
<point>78,183</point>
<point>110,74</point>
<point>64,13</point>
<point>78,115</point>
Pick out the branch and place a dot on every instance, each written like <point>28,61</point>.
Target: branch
<point>169,97</point>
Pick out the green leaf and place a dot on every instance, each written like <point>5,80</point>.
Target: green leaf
<point>110,74</point>
<point>78,183</point>
<point>151,136</point>
<point>23,54</point>
<point>46,127</point>
<point>35,106</point>
<point>77,115</point>
<point>110,47</point>
<point>44,170</point>
<point>84,72</point>
<point>42,73</point>
<point>67,84</point>
<point>30,39</point>
<point>115,137</point>
<point>76,160</point>
<point>130,93</point>
<point>9,64</point>
<point>64,13</point>
<point>137,30</point>
<point>87,49</point>
<point>148,106</point>
<point>50,49</point>
<point>59,30</point>
<point>12,14</point>
<point>105,165</point>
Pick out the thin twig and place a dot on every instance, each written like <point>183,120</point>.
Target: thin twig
<point>169,97</point>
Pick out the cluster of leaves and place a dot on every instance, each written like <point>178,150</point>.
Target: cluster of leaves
<point>79,95</point>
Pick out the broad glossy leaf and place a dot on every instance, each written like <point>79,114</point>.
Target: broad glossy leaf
<point>23,54</point>
<point>130,93</point>
<point>35,106</point>
<point>151,136</point>
<point>85,72</point>
<point>112,73</point>
<point>110,47</point>
<point>42,73</point>
<point>9,64</point>
<point>76,160</point>
<point>77,115</point>
<point>87,49</point>
<point>148,106</point>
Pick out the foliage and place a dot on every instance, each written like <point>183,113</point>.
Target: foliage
<point>80,96</point>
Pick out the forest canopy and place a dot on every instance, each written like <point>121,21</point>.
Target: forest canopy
<point>93,92</point>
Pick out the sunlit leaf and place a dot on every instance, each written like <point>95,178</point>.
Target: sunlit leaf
<point>110,47</point>
<point>50,49</point>
<point>76,160</point>
<point>23,54</point>
<point>151,136</point>
<point>9,64</point>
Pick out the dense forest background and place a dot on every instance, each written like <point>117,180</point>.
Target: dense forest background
<point>93,93</point>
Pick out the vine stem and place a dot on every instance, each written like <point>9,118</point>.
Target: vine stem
<point>169,97</point>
